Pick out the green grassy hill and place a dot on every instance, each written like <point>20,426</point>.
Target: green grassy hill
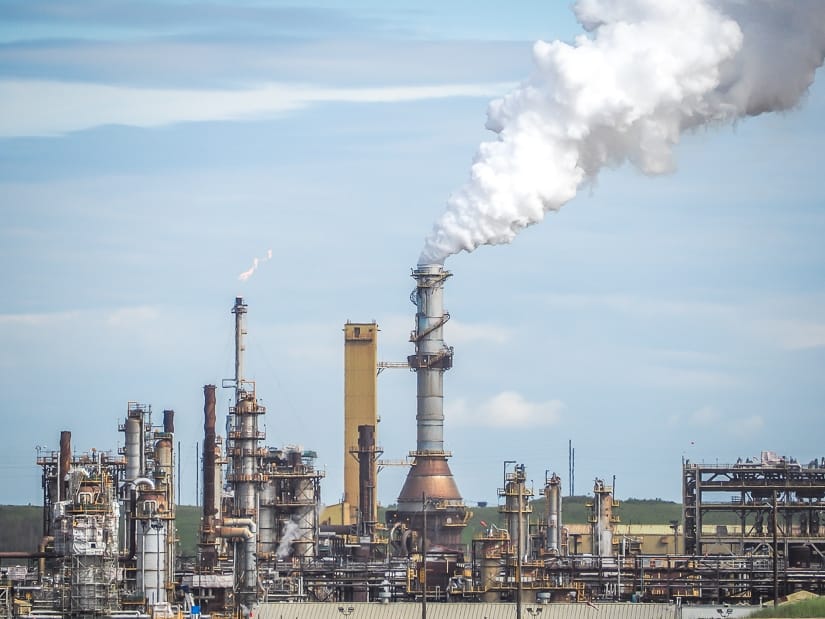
<point>21,526</point>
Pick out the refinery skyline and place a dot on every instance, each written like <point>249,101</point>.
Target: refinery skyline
<point>154,156</point>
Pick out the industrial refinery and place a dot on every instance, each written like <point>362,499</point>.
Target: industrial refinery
<point>268,548</point>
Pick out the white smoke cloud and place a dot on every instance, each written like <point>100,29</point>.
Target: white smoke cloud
<point>255,263</point>
<point>289,534</point>
<point>646,71</point>
<point>507,409</point>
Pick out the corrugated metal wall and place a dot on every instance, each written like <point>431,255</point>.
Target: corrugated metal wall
<point>408,610</point>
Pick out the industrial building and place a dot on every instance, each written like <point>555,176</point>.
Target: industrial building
<point>109,545</point>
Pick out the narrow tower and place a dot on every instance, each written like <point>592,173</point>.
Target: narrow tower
<point>243,451</point>
<point>430,485</point>
<point>360,409</point>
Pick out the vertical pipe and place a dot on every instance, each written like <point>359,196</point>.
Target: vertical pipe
<point>208,456</point>
<point>240,331</point>
<point>366,479</point>
<point>64,463</point>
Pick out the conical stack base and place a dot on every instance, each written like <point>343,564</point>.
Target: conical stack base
<point>430,484</point>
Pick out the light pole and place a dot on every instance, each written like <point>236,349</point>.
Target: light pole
<point>424,504</point>
<point>775,553</point>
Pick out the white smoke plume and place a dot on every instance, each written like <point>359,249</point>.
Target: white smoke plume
<point>289,534</point>
<point>643,73</point>
<point>255,263</point>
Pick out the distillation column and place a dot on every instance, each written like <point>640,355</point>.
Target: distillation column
<point>430,484</point>
<point>154,506</point>
<point>516,509</point>
<point>552,496</point>
<point>602,519</point>
<point>245,476</point>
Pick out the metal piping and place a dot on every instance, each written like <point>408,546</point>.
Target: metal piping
<point>244,529</point>
<point>141,480</point>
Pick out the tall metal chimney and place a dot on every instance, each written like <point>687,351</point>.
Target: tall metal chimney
<point>367,499</point>
<point>64,464</point>
<point>430,485</point>
<point>210,509</point>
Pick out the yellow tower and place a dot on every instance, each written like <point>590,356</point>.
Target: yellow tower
<point>360,404</point>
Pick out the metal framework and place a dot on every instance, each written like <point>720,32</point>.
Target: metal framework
<point>774,509</point>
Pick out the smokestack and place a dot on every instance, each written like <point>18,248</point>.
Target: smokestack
<point>169,421</point>
<point>366,479</point>
<point>432,357</point>
<point>65,463</point>
<point>430,484</point>
<point>208,525</point>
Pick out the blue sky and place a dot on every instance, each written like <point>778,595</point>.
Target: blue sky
<point>149,153</point>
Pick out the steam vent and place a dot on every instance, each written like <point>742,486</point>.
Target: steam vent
<point>430,485</point>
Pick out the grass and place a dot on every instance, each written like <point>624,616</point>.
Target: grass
<point>813,607</point>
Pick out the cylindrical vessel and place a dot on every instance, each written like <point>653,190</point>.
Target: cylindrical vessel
<point>151,560</point>
<point>367,505</point>
<point>431,355</point>
<point>602,518</point>
<point>169,421</point>
<point>267,520</point>
<point>163,460</point>
<point>552,495</point>
<point>134,464</point>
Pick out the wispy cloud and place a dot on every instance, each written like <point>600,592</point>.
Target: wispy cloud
<point>130,317</point>
<point>639,305</point>
<point>118,318</point>
<point>507,409</point>
<point>747,427</point>
<point>27,108</point>
<point>793,334</point>
<point>786,325</point>
<point>35,319</point>
<point>730,426</point>
<point>703,417</point>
